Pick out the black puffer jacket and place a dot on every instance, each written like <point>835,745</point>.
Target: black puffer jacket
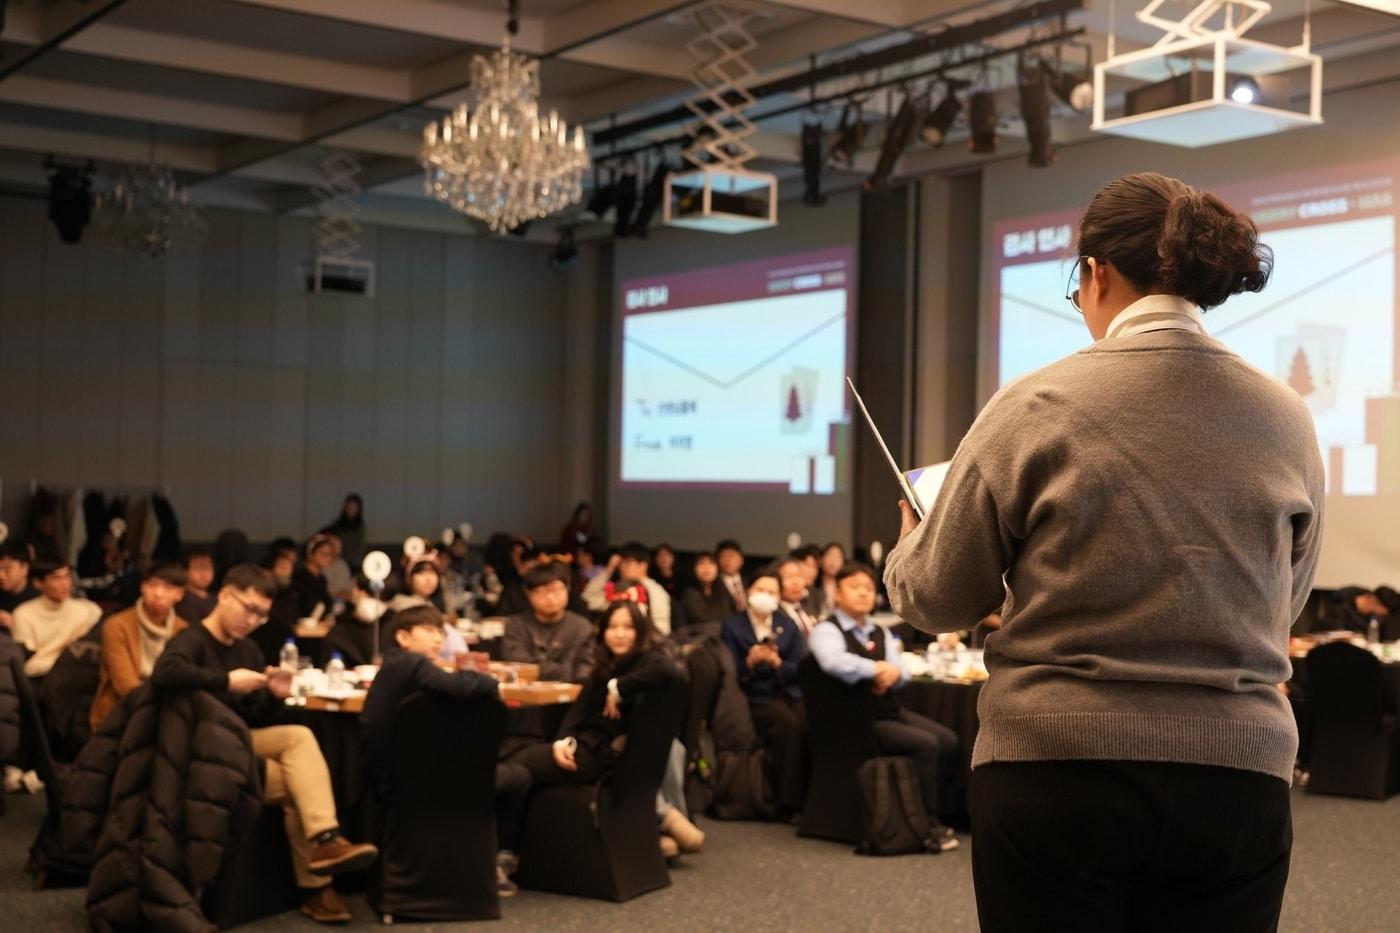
<point>166,788</point>
<point>9,702</point>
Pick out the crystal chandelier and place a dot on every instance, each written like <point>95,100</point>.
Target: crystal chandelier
<point>499,161</point>
<point>148,211</point>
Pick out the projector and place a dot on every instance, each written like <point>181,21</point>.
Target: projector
<point>1201,85</point>
<point>718,199</point>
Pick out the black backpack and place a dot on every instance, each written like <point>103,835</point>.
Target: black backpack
<point>895,820</point>
<point>742,788</point>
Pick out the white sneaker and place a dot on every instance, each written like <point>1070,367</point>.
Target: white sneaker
<point>13,779</point>
<point>31,782</point>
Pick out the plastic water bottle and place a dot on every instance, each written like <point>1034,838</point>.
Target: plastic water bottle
<point>335,672</point>
<point>1373,631</point>
<point>288,659</point>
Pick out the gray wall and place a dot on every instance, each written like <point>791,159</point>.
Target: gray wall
<point>213,374</point>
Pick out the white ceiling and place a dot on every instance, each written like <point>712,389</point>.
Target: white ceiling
<point>243,96</point>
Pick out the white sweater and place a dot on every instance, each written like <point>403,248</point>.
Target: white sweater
<point>46,628</point>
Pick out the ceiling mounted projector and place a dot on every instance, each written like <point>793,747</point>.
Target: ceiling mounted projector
<point>1203,83</point>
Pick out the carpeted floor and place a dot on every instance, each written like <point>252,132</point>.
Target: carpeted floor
<point>759,875</point>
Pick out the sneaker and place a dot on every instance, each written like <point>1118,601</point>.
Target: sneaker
<point>31,782</point>
<point>669,848</point>
<point>504,886</point>
<point>687,835</point>
<point>944,838</point>
<point>507,861</point>
<point>338,854</point>
<point>325,906</point>
<point>13,777</point>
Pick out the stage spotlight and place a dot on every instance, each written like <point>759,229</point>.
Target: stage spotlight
<point>1074,90</point>
<point>1243,91</point>
<point>651,199</point>
<point>566,252</point>
<point>850,134</point>
<point>812,164</point>
<point>1034,87</point>
<point>940,120</point>
<point>70,198</point>
<point>982,118</point>
<point>897,137</point>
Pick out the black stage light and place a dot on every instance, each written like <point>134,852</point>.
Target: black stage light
<point>652,195</point>
<point>812,164</point>
<point>626,202</point>
<point>1034,86</point>
<point>850,134</point>
<point>1073,89</point>
<point>982,118</point>
<point>940,120</point>
<point>566,252</point>
<point>897,138</point>
<point>70,198</point>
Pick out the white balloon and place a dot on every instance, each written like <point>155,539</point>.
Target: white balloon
<point>794,540</point>
<point>117,527</point>
<point>447,534</point>
<point>4,532</point>
<point>877,552</point>
<point>465,530</point>
<point>376,566</point>
<point>413,547</point>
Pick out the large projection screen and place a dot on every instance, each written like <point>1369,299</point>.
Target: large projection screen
<point>1326,326</point>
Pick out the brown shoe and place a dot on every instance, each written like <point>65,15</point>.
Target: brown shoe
<point>340,855</point>
<point>325,906</point>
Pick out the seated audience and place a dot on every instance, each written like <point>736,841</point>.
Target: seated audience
<point>631,564</point>
<point>855,650</point>
<point>706,604</point>
<point>350,527</point>
<point>809,558</point>
<point>352,636</point>
<point>767,646</point>
<point>730,558</point>
<point>1352,608</point>
<point>629,664</point>
<point>309,578</point>
<point>339,576</point>
<point>281,562</point>
<point>833,559</point>
<point>421,589</point>
<point>216,656</point>
<point>132,640</point>
<point>663,562</point>
<point>199,598</point>
<point>54,619</point>
<point>792,596</point>
<point>415,638</point>
<point>15,587</point>
<point>579,531</point>
<point>548,634</point>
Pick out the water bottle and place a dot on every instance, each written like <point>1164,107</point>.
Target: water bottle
<point>1373,631</point>
<point>288,658</point>
<point>335,672</point>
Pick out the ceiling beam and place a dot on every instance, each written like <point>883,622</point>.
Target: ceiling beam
<point>74,144</point>
<point>56,24</point>
<point>149,108</point>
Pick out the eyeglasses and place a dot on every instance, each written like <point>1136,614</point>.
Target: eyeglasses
<point>1072,289</point>
<point>257,615</point>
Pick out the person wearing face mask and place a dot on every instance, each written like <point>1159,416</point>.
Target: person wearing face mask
<point>767,646</point>
<point>132,640</point>
<point>353,634</point>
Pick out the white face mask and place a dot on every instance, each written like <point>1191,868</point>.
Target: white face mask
<point>367,609</point>
<point>765,604</point>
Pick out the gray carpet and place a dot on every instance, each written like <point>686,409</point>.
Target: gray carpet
<point>758,875</point>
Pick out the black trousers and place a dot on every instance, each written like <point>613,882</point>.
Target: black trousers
<point>933,747</point>
<point>782,725</point>
<point>1126,845</point>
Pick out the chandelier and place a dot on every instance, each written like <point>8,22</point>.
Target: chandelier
<point>500,161</point>
<point>148,211</point>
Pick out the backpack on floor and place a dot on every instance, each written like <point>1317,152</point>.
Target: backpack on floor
<point>895,820</point>
<point>742,788</point>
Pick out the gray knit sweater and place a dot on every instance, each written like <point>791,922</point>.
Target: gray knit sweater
<point>1155,503</point>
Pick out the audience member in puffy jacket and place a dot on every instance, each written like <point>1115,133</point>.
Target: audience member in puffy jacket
<point>133,639</point>
<point>215,656</point>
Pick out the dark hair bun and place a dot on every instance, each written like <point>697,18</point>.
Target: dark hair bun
<point>1208,252</point>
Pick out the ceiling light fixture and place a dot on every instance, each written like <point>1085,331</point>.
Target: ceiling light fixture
<point>940,119</point>
<point>982,118</point>
<point>1033,87</point>
<point>500,161</point>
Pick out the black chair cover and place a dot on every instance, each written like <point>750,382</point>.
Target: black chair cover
<point>256,879</point>
<point>841,737</point>
<point>437,853</point>
<point>1354,741</point>
<point>602,841</point>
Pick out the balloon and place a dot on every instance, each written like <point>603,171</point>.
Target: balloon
<point>447,535</point>
<point>376,566</point>
<point>117,527</point>
<point>465,530</point>
<point>794,541</point>
<point>414,547</point>
<point>877,552</point>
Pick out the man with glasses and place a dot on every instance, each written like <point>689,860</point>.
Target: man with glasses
<point>216,656</point>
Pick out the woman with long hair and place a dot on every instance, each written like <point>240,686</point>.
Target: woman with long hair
<point>350,526</point>
<point>1147,513</point>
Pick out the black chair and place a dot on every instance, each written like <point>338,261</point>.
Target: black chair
<point>50,865</point>
<point>256,879</point>
<point>437,858</point>
<point>602,841</point>
<point>841,737</point>
<point>1355,751</point>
